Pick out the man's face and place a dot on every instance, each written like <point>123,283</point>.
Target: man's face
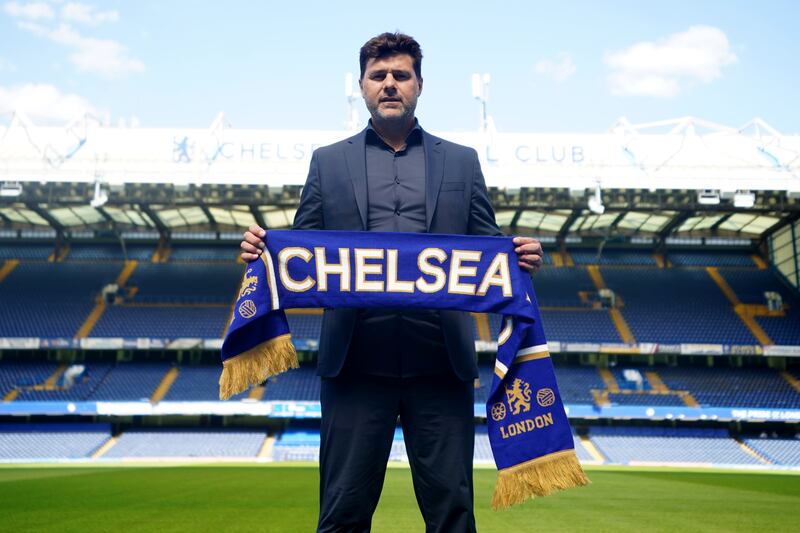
<point>390,88</point>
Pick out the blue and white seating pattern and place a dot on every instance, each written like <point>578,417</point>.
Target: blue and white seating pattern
<point>187,443</point>
<point>51,441</point>
<point>631,445</point>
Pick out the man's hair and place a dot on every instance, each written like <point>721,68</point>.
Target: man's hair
<point>389,44</point>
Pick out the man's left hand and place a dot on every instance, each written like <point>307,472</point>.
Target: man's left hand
<point>529,253</point>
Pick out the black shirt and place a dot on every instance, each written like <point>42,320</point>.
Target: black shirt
<point>388,342</point>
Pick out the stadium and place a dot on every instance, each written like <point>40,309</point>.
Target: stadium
<point>670,297</point>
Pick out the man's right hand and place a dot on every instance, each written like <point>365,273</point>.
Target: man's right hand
<point>253,243</point>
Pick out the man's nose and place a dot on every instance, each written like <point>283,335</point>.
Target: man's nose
<point>389,84</point>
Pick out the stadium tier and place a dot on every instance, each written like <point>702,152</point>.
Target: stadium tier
<point>194,443</point>
<point>701,387</point>
<point>186,292</point>
<point>51,441</point>
<point>597,445</point>
<point>627,445</point>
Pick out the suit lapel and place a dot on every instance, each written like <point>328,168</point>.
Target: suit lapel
<point>434,171</point>
<point>355,156</point>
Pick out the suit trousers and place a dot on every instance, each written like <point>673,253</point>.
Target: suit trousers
<point>359,416</point>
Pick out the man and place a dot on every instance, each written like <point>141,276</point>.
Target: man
<point>376,365</point>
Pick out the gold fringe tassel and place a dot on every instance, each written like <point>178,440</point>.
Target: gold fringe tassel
<point>539,477</point>
<point>257,364</point>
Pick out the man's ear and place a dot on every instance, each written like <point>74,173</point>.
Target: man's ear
<point>419,87</point>
<point>361,86</point>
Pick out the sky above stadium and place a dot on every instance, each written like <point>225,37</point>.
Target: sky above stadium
<point>572,66</point>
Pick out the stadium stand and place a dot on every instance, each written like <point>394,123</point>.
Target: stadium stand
<point>109,252</point>
<point>202,254</point>
<point>613,257</point>
<point>141,443</point>
<point>49,300</point>
<point>575,383</point>
<point>305,326</point>
<point>784,452</point>
<point>25,251</point>
<point>297,445</point>
<point>729,387</point>
<point>17,375</point>
<point>676,306</point>
<point>580,326</point>
<point>51,441</point>
<point>300,384</point>
<point>185,283</point>
<point>631,445</point>
<point>197,383</point>
<point>719,258</point>
<point>81,390</point>
<point>559,287</point>
<point>165,321</point>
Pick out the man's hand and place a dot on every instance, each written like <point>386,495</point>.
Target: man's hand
<point>253,243</point>
<point>529,253</point>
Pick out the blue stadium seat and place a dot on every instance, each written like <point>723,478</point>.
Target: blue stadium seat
<point>613,257</point>
<point>676,306</point>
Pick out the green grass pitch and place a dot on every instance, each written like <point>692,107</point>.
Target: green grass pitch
<point>251,498</point>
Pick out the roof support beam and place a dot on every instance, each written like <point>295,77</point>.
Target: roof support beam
<point>257,215</point>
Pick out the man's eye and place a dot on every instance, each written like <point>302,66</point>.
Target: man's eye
<point>377,77</point>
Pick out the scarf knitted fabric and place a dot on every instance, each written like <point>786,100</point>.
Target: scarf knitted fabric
<point>530,435</point>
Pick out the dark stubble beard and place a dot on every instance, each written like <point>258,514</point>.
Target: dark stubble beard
<point>408,112</point>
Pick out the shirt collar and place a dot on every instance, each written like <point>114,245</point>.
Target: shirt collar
<point>411,138</point>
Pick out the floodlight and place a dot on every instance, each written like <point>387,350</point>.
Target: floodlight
<point>744,199</point>
<point>708,197</point>
<point>10,189</point>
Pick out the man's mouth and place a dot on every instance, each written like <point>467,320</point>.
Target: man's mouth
<point>390,100</point>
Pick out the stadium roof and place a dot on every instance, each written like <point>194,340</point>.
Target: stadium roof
<point>681,177</point>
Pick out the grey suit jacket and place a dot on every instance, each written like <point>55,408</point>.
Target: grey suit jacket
<point>335,198</point>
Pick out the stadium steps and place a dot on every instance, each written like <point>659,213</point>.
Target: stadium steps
<point>11,395</point>
<point>659,259</point>
<point>687,398</point>
<point>50,382</point>
<point>591,449</point>
<point>608,378</point>
<point>568,261</point>
<point>656,383</point>
<point>600,398</point>
<point>92,319</point>
<point>759,262</point>
<point>744,312</point>
<point>620,323</point>
<point>622,326</point>
<point>482,324</point>
<point>163,387</point>
<point>100,305</point>
<point>597,278</point>
<point>558,260</point>
<point>107,445</point>
<point>256,393</point>
<point>59,254</point>
<point>162,253</point>
<point>791,380</point>
<point>127,271</point>
<point>7,268</point>
<point>751,452</point>
<point>265,452</point>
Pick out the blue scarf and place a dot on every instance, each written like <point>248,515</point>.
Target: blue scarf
<point>529,432</point>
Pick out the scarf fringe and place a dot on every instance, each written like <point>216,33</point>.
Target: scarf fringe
<point>539,477</point>
<point>256,365</point>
